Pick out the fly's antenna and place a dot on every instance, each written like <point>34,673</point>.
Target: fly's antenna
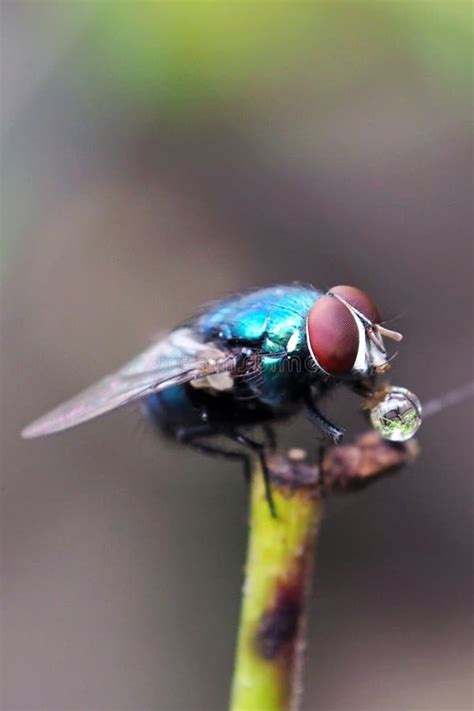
<point>374,337</point>
<point>387,333</point>
<point>375,329</point>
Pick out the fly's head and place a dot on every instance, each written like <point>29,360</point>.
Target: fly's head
<point>345,336</point>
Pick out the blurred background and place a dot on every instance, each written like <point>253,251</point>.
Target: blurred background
<point>159,155</point>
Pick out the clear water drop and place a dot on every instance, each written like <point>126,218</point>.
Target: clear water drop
<point>398,415</point>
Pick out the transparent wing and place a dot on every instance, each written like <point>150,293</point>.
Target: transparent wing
<point>179,358</point>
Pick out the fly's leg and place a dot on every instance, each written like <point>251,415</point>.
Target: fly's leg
<point>269,436</point>
<point>207,448</point>
<point>259,449</point>
<point>329,430</point>
<point>192,436</point>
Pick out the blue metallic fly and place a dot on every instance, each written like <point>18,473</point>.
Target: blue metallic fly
<point>248,360</point>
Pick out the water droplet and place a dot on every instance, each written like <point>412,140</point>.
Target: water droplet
<point>398,416</point>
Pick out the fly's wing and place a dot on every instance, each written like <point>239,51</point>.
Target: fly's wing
<point>179,358</point>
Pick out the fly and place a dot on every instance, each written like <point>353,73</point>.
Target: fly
<point>248,360</point>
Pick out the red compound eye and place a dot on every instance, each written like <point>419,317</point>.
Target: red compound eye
<point>359,300</point>
<point>333,335</point>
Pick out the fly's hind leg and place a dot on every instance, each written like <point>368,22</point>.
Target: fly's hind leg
<point>193,436</point>
<point>269,435</point>
<point>259,449</point>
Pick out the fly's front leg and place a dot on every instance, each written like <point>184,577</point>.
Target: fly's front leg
<point>327,428</point>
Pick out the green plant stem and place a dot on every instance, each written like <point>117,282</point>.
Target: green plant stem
<point>268,666</point>
<point>277,576</point>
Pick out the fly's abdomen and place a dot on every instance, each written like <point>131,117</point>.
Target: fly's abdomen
<point>172,408</point>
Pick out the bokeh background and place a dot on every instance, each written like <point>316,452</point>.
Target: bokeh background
<point>158,155</point>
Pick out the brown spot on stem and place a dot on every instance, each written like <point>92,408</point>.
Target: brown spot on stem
<point>279,625</point>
